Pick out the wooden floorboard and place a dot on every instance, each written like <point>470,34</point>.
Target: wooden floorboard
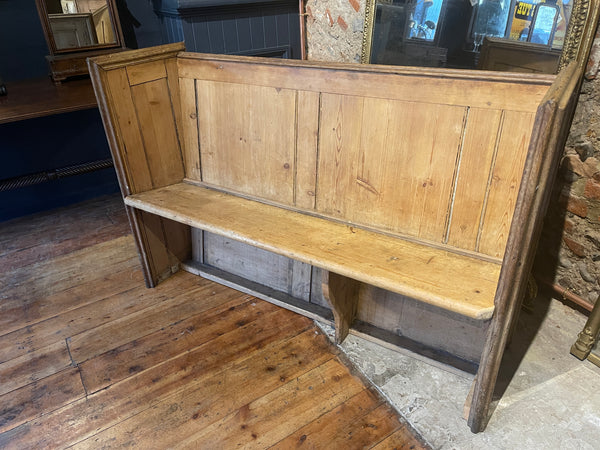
<point>90,358</point>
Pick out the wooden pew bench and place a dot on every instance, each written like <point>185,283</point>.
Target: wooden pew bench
<point>427,183</point>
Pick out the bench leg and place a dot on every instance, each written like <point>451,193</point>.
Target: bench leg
<point>162,244</point>
<point>342,295</point>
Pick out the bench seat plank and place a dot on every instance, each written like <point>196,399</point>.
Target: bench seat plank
<point>459,283</point>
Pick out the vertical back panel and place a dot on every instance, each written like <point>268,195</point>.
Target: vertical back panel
<point>306,149</point>
<point>424,162</point>
<point>505,182</point>
<point>125,123</point>
<point>189,125</point>
<point>481,135</point>
<point>247,138</point>
<point>156,120</point>
<point>388,164</point>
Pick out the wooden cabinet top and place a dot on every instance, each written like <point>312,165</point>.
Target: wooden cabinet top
<point>27,99</point>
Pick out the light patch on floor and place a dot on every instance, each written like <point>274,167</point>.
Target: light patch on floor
<point>551,400</point>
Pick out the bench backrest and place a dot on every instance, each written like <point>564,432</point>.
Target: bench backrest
<point>436,155</point>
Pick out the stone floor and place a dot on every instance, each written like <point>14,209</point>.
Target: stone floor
<point>551,399</point>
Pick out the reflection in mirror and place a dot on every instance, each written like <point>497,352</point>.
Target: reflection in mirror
<point>543,24</point>
<point>450,33</point>
<point>490,18</point>
<point>405,29</point>
<point>423,20</point>
<point>554,25</point>
<point>80,23</point>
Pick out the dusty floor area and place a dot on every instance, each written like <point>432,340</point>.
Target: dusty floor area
<point>551,399</point>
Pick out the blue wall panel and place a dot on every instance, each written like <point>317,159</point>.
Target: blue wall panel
<point>234,27</point>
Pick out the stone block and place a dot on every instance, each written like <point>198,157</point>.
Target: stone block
<point>568,226</point>
<point>585,150</point>
<point>585,169</point>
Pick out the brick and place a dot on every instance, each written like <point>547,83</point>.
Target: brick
<point>355,4</point>
<point>342,23</point>
<point>577,248</point>
<point>577,206</point>
<point>592,190</point>
<point>329,17</point>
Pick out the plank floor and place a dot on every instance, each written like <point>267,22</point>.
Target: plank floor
<point>90,358</point>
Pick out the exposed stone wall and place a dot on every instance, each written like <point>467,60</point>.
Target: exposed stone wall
<point>334,29</point>
<point>573,222</point>
<point>569,252</point>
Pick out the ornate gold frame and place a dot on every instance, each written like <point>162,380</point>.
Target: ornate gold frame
<point>367,40</point>
<point>578,39</point>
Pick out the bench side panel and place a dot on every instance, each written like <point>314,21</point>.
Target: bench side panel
<point>139,103</point>
<point>550,133</point>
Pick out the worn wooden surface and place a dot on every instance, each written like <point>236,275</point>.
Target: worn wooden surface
<point>342,294</point>
<point>515,56</point>
<point>381,175</point>
<point>39,97</point>
<point>554,117</point>
<point>90,358</point>
<point>140,108</point>
<point>406,158</point>
<point>401,266</point>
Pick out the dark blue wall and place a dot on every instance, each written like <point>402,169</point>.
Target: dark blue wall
<point>238,27</point>
<point>22,43</point>
<point>141,26</point>
<point>53,142</point>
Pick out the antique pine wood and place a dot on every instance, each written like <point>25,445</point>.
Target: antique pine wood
<point>449,280</point>
<point>554,115</point>
<point>99,360</point>
<point>427,183</point>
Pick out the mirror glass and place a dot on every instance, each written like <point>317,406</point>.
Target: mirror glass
<point>80,23</point>
<point>543,24</point>
<point>423,19</point>
<point>454,33</point>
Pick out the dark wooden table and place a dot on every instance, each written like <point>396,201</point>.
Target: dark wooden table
<point>39,97</point>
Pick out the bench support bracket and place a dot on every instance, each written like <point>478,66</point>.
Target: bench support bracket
<point>342,295</point>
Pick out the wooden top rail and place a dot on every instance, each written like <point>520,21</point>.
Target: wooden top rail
<point>515,92</point>
<point>454,282</point>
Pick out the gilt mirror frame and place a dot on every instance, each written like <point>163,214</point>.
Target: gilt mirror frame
<point>577,43</point>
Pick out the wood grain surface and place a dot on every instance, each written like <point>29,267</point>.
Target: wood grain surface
<point>451,281</point>
<point>92,359</point>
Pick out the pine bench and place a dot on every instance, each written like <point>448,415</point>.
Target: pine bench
<point>430,183</point>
